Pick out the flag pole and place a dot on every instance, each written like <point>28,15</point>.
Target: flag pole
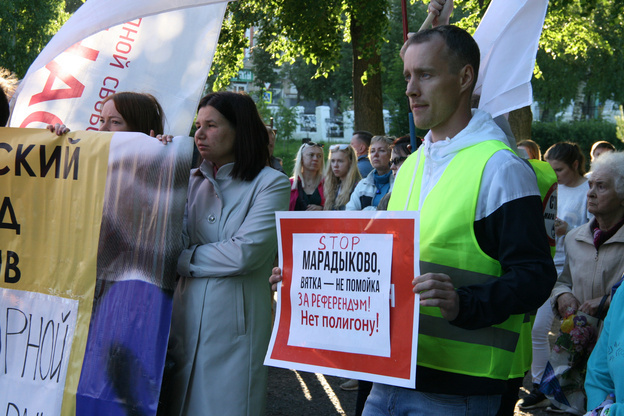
<point>428,22</point>
<point>404,13</point>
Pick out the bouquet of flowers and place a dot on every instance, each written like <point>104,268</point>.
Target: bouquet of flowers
<point>565,372</point>
<point>578,337</point>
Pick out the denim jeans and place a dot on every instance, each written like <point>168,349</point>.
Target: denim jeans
<point>397,401</point>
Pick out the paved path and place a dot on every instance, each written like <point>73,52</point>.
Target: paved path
<point>297,393</point>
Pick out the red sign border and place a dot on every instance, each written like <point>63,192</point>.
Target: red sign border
<point>401,361</point>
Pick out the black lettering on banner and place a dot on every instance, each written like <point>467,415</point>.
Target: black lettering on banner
<point>8,148</point>
<point>55,159</point>
<point>12,273</point>
<point>45,165</point>
<point>5,209</point>
<point>69,162</point>
<point>20,160</point>
<point>45,340</point>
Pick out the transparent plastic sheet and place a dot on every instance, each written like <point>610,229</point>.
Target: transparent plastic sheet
<point>140,240</point>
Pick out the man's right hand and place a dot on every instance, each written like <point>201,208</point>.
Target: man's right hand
<point>442,9</point>
<point>436,289</point>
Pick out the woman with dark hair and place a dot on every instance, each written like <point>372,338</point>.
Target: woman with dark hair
<point>126,111</point>
<point>221,319</point>
<point>401,149</point>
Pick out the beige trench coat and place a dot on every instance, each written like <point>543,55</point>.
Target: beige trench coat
<point>221,320</point>
<point>588,273</point>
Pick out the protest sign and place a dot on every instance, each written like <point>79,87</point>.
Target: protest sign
<point>77,212</point>
<point>345,306</point>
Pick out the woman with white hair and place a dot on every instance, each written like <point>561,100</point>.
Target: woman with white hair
<point>594,263</point>
<point>595,250</point>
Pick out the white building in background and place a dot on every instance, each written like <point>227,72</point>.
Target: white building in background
<point>610,111</point>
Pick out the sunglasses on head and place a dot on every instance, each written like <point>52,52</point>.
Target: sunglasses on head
<point>335,147</point>
<point>397,160</point>
<point>313,144</point>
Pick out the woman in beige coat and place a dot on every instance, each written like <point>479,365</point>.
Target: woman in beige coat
<point>595,251</point>
<point>222,307</point>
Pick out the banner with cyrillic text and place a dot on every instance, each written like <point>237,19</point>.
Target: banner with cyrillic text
<point>90,229</point>
<point>167,54</point>
<point>345,305</point>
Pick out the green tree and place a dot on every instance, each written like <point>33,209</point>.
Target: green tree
<point>27,26</point>
<point>336,85</point>
<point>315,31</point>
<point>285,121</point>
<point>619,123</point>
<point>580,55</point>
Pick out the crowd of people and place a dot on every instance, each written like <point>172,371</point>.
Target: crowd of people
<point>486,263</point>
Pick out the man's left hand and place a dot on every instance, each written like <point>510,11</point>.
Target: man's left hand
<point>436,289</point>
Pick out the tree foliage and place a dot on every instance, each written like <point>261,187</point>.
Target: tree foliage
<point>27,26</point>
<point>580,54</point>
<point>313,31</point>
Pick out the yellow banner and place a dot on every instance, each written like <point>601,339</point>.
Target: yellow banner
<point>51,201</point>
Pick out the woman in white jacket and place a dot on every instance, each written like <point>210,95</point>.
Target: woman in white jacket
<point>370,190</point>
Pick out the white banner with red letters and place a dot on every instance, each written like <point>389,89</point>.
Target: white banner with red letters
<point>164,48</point>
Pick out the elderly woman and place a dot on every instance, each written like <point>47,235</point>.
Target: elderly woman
<point>606,197</point>
<point>221,319</point>
<point>595,250</point>
<point>595,260</point>
<point>370,190</point>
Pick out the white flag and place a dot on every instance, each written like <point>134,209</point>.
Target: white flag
<point>161,47</point>
<point>508,37</point>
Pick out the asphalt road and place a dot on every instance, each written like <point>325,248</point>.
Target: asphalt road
<point>297,393</point>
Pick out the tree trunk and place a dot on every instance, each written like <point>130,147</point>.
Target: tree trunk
<point>579,101</point>
<point>367,98</point>
<point>520,121</point>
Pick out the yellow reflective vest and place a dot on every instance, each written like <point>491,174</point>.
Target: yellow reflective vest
<point>448,245</point>
<point>547,184</point>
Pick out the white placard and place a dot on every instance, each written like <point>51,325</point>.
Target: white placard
<point>37,331</point>
<point>340,292</point>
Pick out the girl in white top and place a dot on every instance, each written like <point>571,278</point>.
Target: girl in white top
<point>568,163</point>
